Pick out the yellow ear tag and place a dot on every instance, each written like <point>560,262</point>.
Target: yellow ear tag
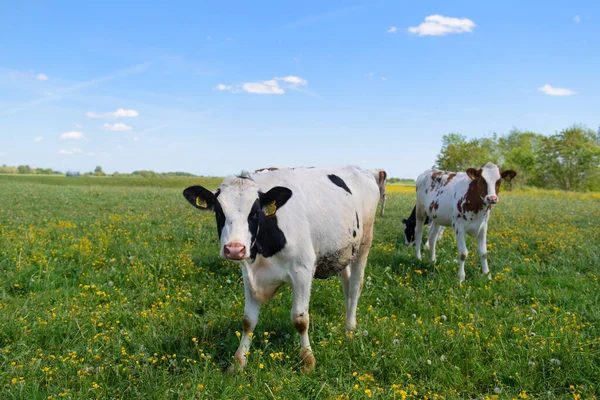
<point>200,202</point>
<point>270,209</point>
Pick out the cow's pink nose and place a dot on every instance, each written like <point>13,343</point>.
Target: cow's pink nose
<point>492,199</point>
<point>234,251</point>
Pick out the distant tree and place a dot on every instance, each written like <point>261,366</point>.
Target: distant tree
<point>458,154</point>
<point>98,171</point>
<point>24,169</point>
<point>519,151</point>
<point>571,158</point>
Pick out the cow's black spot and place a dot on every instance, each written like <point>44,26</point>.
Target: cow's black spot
<point>357,222</point>
<point>353,233</point>
<point>339,182</point>
<point>266,237</point>
<point>270,240</point>
<point>220,216</point>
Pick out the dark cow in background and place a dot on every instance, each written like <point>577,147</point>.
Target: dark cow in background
<point>288,226</point>
<point>462,200</point>
<point>409,225</point>
<point>381,178</point>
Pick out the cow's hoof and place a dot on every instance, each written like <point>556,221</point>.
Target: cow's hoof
<point>308,361</point>
<point>232,369</point>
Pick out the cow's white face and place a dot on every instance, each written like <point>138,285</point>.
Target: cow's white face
<point>241,210</point>
<point>236,210</point>
<point>487,182</point>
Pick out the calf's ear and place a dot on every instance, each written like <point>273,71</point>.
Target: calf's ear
<point>473,173</point>
<point>274,199</point>
<point>508,174</point>
<point>200,197</point>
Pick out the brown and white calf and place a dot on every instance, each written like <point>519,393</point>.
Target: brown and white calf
<point>381,178</point>
<point>290,226</point>
<point>462,200</point>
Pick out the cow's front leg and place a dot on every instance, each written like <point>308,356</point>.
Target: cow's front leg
<point>482,250</point>
<point>462,252</point>
<point>301,286</point>
<point>251,311</point>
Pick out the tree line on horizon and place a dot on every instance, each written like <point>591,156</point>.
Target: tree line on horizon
<point>568,160</point>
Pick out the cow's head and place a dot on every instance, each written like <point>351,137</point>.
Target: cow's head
<point>486,181</point>
<point>409,231</point>
<point>241,211</point>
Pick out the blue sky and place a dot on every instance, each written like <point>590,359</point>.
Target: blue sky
<point>216,87</point>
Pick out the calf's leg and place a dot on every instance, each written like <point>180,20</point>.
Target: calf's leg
<point>482,250</point>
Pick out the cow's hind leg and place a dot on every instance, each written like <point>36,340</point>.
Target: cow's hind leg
<point>301,285</point>
<point>251,311</point>
<point>345,278</point>
<point>462,253</point>
<point>434,230</point>
<point>357,273</point>
<point>382,204</point>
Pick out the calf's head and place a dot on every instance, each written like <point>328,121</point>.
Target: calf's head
<point>486,182</point>
<point>241,210</point>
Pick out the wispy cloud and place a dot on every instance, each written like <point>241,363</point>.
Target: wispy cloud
<point>41,77</point>
<point>38,138</point>
<point>276,85</point>
<point>222,87</point>
<point>392,29</point>
<point>72,135</point>
<point>438,25</point>
<point>70,151</point>
<point>552,91</point>
<point>577,19</point>
<point>59,94</point>
<point>120,113</point>
<point>117,127</point>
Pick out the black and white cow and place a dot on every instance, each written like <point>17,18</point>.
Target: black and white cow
<point>290,226</point>
<point>409,225</point>
<point>462,200</point>
<point>381,178</point>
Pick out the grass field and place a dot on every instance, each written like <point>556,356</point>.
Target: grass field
<point>111,289</point>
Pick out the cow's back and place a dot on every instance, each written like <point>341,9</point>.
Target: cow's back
<point>438,193</point>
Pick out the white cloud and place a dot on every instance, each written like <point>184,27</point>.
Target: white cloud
<point>272,86</point>
<point>38,138</point>
<point>552,91</point>
<point>69,152</point>
<point>76,135</point>
<point>42,77</point>
<point>121,112</point>
<point>118,127</point>
<point>266,87</point>
<point>222,87</point>
<point>438,25</point>
<point>294,81</point>
<point>392,29</point>
<point>136,138</point>
<point>577,18</point>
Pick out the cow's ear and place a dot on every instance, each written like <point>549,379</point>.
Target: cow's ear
<point>274,199</point>
<point>200,197</point>
<point>474,173</point>
<point>508,174</point>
